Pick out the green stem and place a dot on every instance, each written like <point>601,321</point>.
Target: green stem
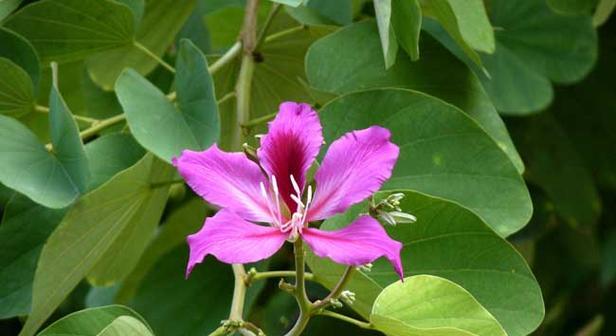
<point>284,33</point>
<point>305,306</point>
<point>226,97</point>
<point>98,126</point>
<point>361,324</point>
<point>227,57</point>
<point>239,293</point>
<point>279,274</point>
<point>45,109</point>
<point>243,92</point>
<point>152,55</point>
<point>336,291</point>
<point>258,121</point>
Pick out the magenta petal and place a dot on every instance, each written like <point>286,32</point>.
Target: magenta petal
<point>228,180</point>
<point>360,243</point>
<point>355,166</point>
<point>233,240</point>
<point>290,146</point>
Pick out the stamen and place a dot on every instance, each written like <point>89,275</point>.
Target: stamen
<point>269,205</point>
<point>276,195</point>
<point>295,186</point>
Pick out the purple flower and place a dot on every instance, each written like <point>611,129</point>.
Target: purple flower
<point>274,192</point>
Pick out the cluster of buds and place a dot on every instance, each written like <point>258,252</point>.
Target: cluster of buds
<point>388,210</point>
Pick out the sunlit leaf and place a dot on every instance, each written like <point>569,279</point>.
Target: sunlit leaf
<point>126,325</point>
<point>450,242</point>
<point>91,322</point>
<point>429,305</point>
<point>389,44</point>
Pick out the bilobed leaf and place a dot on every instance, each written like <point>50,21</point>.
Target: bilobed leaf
<point>162,20</point>
<point>350,60</point>
<point>16,90</point>
<point>91,228</point>
<point>52,179</point>
<point>91,322</point>
<point>27,225</point>
<point>451,242</point>
<point>21,52</point>
<point>156,122</point>
<point>126,325</point>
<point>429,305</point>
<point>66,30</point>
<point>64,132</point>
<point>389,44</point>
<point>406,20</point>
<point>443,153</point>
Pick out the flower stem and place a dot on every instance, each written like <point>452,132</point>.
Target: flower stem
<point>152,55</point>
<point>278,274</point>
<point>239,293</point>
<point>45,109</point>
<point>98,126</point>
<point>258,121</point>
<point>305,306</point>
<point>336,291</point>
<point>227,57</point>
<point>361,324</point>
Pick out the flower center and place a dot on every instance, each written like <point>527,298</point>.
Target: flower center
<point>296,223</point>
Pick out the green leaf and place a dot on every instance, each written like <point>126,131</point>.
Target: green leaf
<point>64,132</point>
<point>68,30</point>
<point>26,225</point>
<point>178,306</point>
<point>99,221</point>
<point>323,12</point>
<point>111,154</point>
<point>25,228</point>
<point>349,60</point>
<point>553,163</point>
<point>389,44</point>
<point>429,305</point>
<point>406,20</point>
<point>16,90</point>
<point>467,23</point>
<point>90,322</point>
<point>443,153</point>
<point>195,94</point>
<point>162,20</point>
<point>603,11</point>
<point>126,325</point>
<point>450,242</point>
<point>21,52</point>
<point>8,6</point>
<point>156,122</point>
<point>535,46</point>
<point>51,179</point>
<point>572,7</point>
<point>183,221</point>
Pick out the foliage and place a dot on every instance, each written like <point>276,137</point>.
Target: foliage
<point>503,110</point>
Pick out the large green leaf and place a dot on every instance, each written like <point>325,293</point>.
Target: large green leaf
<point>53,179</point>
<point>442,152</point>
<point>450,242</point>
<point>534,47</point>
<point>162,20</point>
<point>65,30</point>
<point>178,306</point>
<point>16,89</point>
<point>429,305</point>
<point>95,224</point>
<point>21,52</point>
<point>126,325</point>
<point>27,225</point>
<point>156,122</point>
<point>90,322</point>
<point>349,60</point>
<point>185,220</point>
<point>25,228</point>
<point>553,164</point>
